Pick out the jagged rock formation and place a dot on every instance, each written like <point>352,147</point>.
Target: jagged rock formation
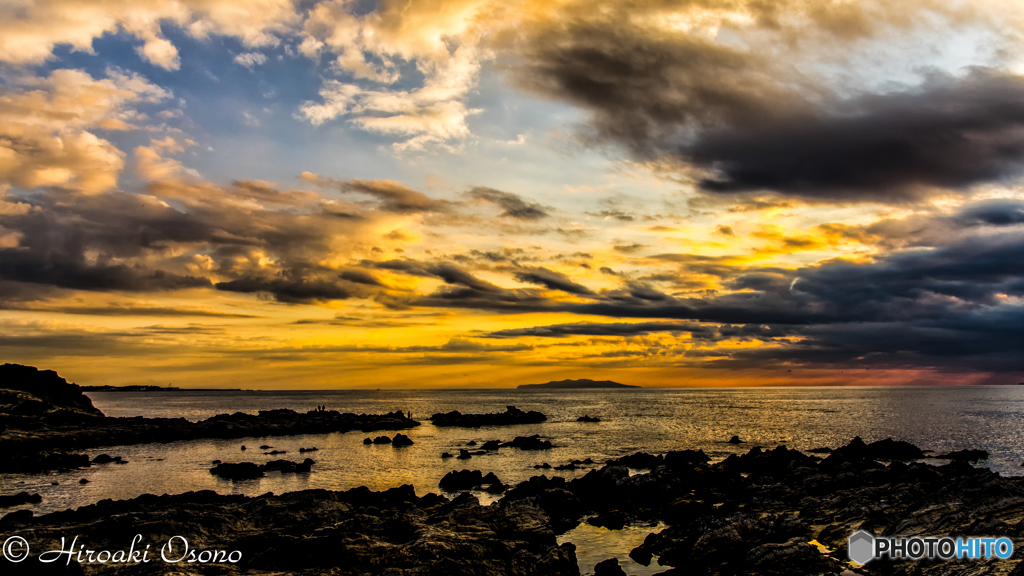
<point>511,415</point>
<point>315,532</point>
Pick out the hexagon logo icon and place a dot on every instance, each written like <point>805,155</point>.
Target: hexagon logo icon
<point>861,546</point>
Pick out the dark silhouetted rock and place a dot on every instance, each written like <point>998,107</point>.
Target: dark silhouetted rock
<point>685,458</point>
<point>42,415</point>
<point>733,440</point>
<point>287,466</point>
<point>471,443</point>
<point>609,567</point>
<point>358,532</point>
<point>238,471</point>
<point>455,481</point>
<point>17,517</point>
<point>83,481</point>
<point>511,415</point>
<point>265,447</point>
<point>610,519</point>
<point>367,441</point>
<point>19,499</point>
<point>401,440</point>
<point>640,460</point>
<point>464,454</point>
<point>491,445</point>
<point>105,459</point>
<point>304,450</point>
<point>529,443</point>
<point>496,488</point>
<point>588,418</point>
<point>243,448</point>
<point>26,460</point>
<point>446,455</point>
<point>215,462</point>
<point>890,449</point>
<point>275,452</point>
<point>26,391</point>
<point>966,455</point>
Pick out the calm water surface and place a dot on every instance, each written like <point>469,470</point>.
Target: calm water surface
<point>651,420</point>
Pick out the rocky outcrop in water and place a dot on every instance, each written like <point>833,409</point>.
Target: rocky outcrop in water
<point>312,532</point>
<point>251,470</point>
<point>511,415</point>
<point>459,480</point>
<point>45,422</point>
<point>19,499</point>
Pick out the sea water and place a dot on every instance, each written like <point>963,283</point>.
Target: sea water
<point>648,419</point>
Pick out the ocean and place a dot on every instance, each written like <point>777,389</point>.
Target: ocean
<point>650,420</point>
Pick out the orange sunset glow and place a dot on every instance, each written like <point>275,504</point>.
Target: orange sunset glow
<point>337,194</point>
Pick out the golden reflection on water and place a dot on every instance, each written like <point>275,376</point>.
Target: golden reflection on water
<point>649,420</point>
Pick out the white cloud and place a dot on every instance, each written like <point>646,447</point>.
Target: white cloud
<point>251,59</point>
<point>30,30</point>
<point>45,123</point>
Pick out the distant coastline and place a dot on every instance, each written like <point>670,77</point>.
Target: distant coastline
<point>580,384</point>
<point>149,388</point>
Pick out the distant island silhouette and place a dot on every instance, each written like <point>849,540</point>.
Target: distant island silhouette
<point>578,384</point>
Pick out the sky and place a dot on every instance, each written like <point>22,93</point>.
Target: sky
<point>476,193</point>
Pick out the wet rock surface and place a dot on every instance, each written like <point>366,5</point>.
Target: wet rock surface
<point>764,511</point>
<point>316,532</point>
<point>511,415</point>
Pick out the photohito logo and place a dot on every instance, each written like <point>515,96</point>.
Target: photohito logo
<point>863,547</point>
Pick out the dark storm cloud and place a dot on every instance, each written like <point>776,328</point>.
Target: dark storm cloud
<point>951,133</point>
<point>61,271</point>
<point>750,123</point>
<point>391,196</point>
<point>552,280</point>
<point>133,310</point>
<point>454,275</point>
<point>641,86</point>
<point>394,197</point>
<point>296,290</point>
<point>360,277</point>
<point>915,307</point>
<point>1002,212</point>
<point>628,248</point>
<point>616,214</point>
<point>514,206</point>
<point>596,329</point>
<point>126,242</point>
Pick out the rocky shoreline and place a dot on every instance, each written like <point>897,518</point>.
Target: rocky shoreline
<point>776,512</point>
<point>45,421</point>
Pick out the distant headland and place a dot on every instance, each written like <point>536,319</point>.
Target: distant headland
<point>578,384</point>
<point>149,388</point>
